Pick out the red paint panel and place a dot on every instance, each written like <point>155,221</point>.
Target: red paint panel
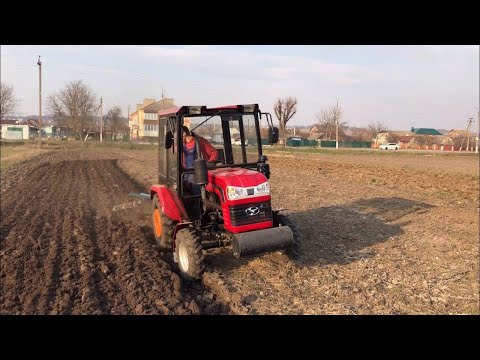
<point>167,202</point>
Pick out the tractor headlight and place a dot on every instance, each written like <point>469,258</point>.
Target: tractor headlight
<point>248,108</point>
<point>194,110</point>
<point>262,189</point>
<point>235,193</point>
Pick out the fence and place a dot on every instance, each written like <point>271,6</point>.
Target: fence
<point>437,147</point>
<point>252,141</point>
<point>346,144</point>
<point>303,142</point>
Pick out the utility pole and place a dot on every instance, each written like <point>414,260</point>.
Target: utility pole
<point>128,122</point>
<point>163,108</point>
<point>478,132</point>
<point>467,133</point>
<point>337,116</point>
<point>163,101</point>
<point>336,132</point>
<point>470,120</point>
<point>101,120</point>
<point>39,63</point>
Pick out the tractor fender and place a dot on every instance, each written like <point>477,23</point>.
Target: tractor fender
<point>167,202</point>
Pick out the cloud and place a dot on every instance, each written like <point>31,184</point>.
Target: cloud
<point>92,69</point>
<point>245,64</point>
<point>281,73</point>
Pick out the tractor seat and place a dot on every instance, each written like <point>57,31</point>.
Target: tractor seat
<point>221,154</point>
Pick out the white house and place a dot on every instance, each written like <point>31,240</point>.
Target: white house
<point>15,132</point>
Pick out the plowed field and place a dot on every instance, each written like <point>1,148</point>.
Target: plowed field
<point>382,234</point>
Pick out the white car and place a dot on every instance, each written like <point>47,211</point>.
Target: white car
<point>238,142</point>
<point>389,146</point>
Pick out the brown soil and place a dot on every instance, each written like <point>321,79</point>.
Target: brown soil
<point>381,235</point>
<point>64,251</point>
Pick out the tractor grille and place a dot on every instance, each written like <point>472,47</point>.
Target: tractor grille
<point>250,213</point>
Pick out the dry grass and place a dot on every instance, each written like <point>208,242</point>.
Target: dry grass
<point>10,154</point>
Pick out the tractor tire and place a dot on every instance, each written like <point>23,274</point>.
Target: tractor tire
<point>283,220</point>
<point>162,227</point>
<point>189,253</point>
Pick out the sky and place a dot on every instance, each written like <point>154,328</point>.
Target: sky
<point>400,86</point>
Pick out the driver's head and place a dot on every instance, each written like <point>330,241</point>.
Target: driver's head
<point>185,131</point>
<point>187,135</point>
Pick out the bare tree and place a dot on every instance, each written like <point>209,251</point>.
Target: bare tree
<point>74,107</point>
<point>8,101</point>
<point>327,122</point>
<point>422,140</point>
<point>376,127</point>
<point>457,141</point>
<point>114,120</point>
<point>284,110</point>
<point>393,138</point>
<point>430,140</point>
<point>360,134</point>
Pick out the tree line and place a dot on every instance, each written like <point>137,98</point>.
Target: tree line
<point>328,122</point>
<point>75,107</point>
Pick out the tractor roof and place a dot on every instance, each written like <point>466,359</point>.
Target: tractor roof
<point>171,111</point>
<point>177,109</point>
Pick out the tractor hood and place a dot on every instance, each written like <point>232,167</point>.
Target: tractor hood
<point>236,177</point>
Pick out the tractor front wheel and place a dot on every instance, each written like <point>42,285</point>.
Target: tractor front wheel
<point>162,227</point>
<point>189,253</point>
<point>283,220</point>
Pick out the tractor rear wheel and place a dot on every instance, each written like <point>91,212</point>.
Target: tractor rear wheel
<point>189,253</point>
<point>283,220</point>
<point>162,227</point>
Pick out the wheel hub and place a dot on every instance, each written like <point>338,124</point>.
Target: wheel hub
<point>157,223</point>
<point>183,257</point>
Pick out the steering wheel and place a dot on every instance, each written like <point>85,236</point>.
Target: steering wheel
<point>214,162</point>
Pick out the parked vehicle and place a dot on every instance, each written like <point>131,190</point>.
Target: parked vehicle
<point>238,142</point>
<point>389,146</point>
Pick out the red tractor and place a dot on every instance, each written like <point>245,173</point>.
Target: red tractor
<point>232,204</point>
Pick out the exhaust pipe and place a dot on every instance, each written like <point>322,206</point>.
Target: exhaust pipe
<point>261,241</point>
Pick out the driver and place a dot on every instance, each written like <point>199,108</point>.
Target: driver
<point>209,153</point>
